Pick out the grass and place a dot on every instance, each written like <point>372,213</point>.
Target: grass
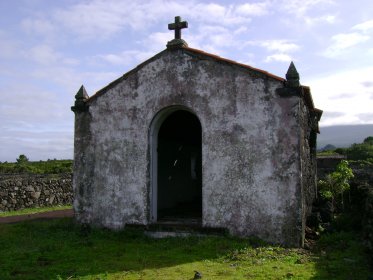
<point>28,211</point>
<point>60,249</point>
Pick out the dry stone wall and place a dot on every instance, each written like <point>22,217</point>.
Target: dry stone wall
<point>26,191</point>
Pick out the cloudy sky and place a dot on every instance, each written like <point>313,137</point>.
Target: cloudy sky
<point>48,49</point>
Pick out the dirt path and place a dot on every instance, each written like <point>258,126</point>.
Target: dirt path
<point>44,215</point>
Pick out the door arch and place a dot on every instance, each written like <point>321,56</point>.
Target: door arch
<point>176,165</point>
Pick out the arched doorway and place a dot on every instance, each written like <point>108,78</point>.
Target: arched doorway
<point>176,141</point>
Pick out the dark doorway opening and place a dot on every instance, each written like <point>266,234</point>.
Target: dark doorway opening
<point>180,167</point>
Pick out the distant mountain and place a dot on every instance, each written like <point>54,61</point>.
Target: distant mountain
<point>343,135</point>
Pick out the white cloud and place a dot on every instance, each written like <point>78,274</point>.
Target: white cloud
<point>319,20</point>
<point>38,26</point>
<point>364,27</point>
<point>156,42</point>
<point>301,7</point>
<point>344,92</point>
<point>240,30</point>
<point>283,46</point>
<point>126,58</point>
<point>43,54</point>
<point>35,123</point>
<point>253,9</point>
<point>8,47</point>
<point>226,15</point>
<point>367,84</point>
<point>365,117</point>
<point>281,57</point>
<point>308,12</point>
<point>98,18</point>
<point>218,36</point>
<point>280,49</point>
<point>36,145</point>
<point>29,104</point>
<point>101,19</point>
<point>46,55</point>
<point>68,80</point>
<point>343,41</point>
<point>215,9</point>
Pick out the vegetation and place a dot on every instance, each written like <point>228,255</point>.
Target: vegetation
<point>35,210</point>
<point>353,212</point>
<point>362,151</point>
<point>60,249</point>
<point>356,152</point>
<point>336,184</point>
<point>23,165</point>
<point>328,153</point>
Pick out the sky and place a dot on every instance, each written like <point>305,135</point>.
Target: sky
<point>48,49</point>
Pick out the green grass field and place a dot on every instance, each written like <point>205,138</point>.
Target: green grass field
<point>60,249</point>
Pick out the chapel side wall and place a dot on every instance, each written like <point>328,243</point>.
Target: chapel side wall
<point>83,168</point>
<point>287,170</point>
<point>308,161</point>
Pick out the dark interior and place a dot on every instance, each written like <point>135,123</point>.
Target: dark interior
<point>180,167</point>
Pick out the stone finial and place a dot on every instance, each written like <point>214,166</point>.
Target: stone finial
<point>80,101</point>
<point>177,42</point>
<point>292,76</point>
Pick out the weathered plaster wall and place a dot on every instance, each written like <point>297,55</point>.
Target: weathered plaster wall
<point>308,164</point>
<point>250,135</point>
<point>25,191</point>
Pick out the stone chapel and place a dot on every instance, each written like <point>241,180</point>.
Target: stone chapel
<point>191,137</point>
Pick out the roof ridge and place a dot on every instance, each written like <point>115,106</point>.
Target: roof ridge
<point>234,62</point>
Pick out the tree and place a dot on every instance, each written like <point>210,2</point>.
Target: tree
<point>368,140</point>
<point>336,183</point>
<point>362,151</point>
<point>22,159</point>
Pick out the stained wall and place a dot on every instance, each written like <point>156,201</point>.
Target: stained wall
<point>252,146</point>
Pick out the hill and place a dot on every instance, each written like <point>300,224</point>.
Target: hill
<point>343,135</point>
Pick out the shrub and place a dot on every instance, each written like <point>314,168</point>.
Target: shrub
<point>336,183</point>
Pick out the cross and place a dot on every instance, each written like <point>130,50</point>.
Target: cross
<point>177,26</point>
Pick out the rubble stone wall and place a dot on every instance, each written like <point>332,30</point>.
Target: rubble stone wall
<point>20,191</point>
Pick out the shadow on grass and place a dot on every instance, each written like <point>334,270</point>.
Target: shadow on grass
<point>60,249</point>
<point>48,249</point>
<point>341,255</point>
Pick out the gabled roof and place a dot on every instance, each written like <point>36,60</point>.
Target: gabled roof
<point>221,59</point>
<point>306,93</point>
<point>191,51</point>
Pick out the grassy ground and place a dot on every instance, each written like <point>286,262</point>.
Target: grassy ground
<point>60,249</point>
<point>34,210</point>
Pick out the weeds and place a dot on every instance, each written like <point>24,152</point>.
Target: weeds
<point>61,249</point>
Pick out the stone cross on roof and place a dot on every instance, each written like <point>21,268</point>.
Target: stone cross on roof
<point>177,26</point>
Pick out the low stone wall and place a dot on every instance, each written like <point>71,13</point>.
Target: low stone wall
<point>26,191</point>
<point>327,164</point>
